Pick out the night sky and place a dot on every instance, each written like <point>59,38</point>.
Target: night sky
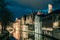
<point>24,7</point>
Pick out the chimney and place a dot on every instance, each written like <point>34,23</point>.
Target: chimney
<point>49,8</point>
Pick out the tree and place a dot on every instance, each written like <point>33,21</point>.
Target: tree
<point>5,17</point>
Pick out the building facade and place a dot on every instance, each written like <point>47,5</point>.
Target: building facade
<point>51,26</point>
<point>16,27</point>
<point>38,26</point>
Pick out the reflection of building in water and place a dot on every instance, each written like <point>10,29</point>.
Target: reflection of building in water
<point>16,27</point>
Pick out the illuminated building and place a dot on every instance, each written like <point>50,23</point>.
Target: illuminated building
<point>30,27</point>
<point>29,19</point>
<point>38,26</point>
<point>24,29</point>
<point>49,8</point>
<point>27,27</point>
<point>51,25</point>
<point>16,27</point>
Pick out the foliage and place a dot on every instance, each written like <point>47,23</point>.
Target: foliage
<point>6,17</point>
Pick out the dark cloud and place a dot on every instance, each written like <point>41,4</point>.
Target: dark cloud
<point>24,7</point>
<point>18,11</point>
<point>38,4</point>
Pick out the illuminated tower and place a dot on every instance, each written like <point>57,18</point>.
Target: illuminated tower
<point>49,8</point>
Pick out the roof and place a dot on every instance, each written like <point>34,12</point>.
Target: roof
<point>54,12</point>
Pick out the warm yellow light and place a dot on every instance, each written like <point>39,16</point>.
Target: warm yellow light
<point>16,27</point>
<point>49,8</point>
<point>25,33</point>
<point>55,24</point>
<point>49,29</point>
